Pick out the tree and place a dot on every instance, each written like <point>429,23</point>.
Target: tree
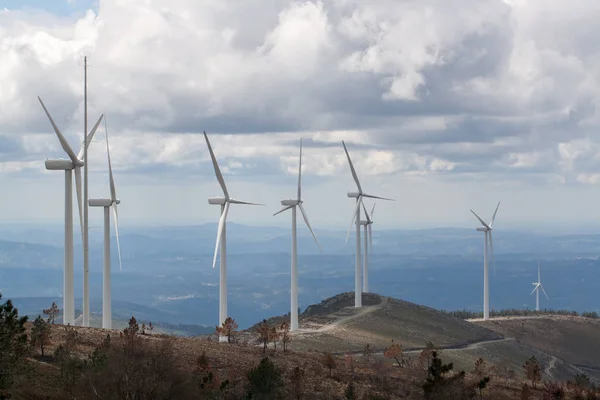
<point>297,380</point>
<point>51,312</point>
<point>438,386</point>
<point>265,380</point>
<point>13,344</point>
<point>132,328</point>
<point>264,333</point>
<point>329,362</point>
<point>367,352</point>
<point>532,370</point>
<point>40,334</point>
<point>350,393</point>
<point>427,354</point>
<point>274,337</point>
<point>395,352</point>
<point>285,335</point>
<point>228,328</point>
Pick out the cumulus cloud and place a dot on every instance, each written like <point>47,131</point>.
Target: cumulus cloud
<point>453,89</point>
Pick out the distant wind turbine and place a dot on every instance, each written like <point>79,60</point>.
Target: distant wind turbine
<point>75,162</point>
<point>356,217</point>
<point>292,204</point>
<point>225,203</point>
<point>368,242</point>
<point>108,204</point>
<point>487,229</point>
<point>536,289</point>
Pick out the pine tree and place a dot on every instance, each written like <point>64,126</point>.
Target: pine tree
<point>40,334</point>
<point>13,343</point>
<point>228,328</point>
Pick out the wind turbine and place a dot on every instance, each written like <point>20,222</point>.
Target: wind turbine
<point>225,203</point>
<point>487,229</point>
<point>107,204</point>
<point>536,289</point>
<point>356,217</point>
<point>368,242</point>
<point>291,204</point>
<point>75,162</point>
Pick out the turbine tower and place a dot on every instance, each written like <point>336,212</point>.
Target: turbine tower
<point>75,162</point>
<point>292,204</point>
<point>225,203</point>
<point>356,217</point>
<point>536,289</point>
<point>487,230</point>
<point>368,242</point>
<point>108,204</point>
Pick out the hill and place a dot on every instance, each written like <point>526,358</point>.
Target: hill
<point>335,325</point>
<point>569,338</point>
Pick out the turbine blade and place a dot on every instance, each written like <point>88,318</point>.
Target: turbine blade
<point>480,220</point>
<point>356,210</point>
<point>366,213</point>
<point>233,201</point>
<point>300,173</point>
<point>89,138</point>
<point>282,210</point>
<point>370,196</point>
<point>370,236</point>
<point>217,170</point>
<point>63,142</point>
<point>494,216</point>
<point>116,218</point>
<point>79,199</point>
<point>541,287</point>
<point>539,276</point>
<point>492,248</point>
<point>309,227</point>
<point>222,221</point>
<point>534,289</point>
<point>352,168</point>
<point>373,209</point>
<point>113,191</point>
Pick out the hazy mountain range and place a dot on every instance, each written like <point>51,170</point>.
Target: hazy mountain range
<point>167,274</point>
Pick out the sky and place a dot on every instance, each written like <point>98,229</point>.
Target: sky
<point>445,105</point>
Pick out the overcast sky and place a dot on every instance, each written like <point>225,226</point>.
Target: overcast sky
<point>445,105</point>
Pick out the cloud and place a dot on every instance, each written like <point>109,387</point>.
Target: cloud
<point>456,90</point>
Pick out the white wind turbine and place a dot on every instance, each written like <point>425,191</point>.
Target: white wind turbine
<point>75,162</point>
<point>291,204</point>
<point>225,203</point>
<point>107,204</point>
<point>368,242</point>
<point>536,289</point>
<point>487,229</point>
<point>356,217</point>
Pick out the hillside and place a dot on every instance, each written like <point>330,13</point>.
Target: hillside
<point>335,325</point>
<point>569,338</point>
<point>564,346</point>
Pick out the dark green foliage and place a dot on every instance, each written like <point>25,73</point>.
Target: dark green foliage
<point>583,381</point>
<point>467,314</point>
<point>99,357</point>
<point>13,344</point>
<point>482,384</point>
<point>265,381</point>
<point>438,386</point>
<point>350,393</point>
<point>554,391</point>
<point>40,334</point>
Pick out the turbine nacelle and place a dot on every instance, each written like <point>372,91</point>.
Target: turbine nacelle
<point>290,202</point>
<point>100,202</point>
<point>353,194</point>
<point>481,229</point>
<point>217,200</point>
<point>59,165</point>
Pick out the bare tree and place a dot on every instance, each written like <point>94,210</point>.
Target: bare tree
<point>228,328</point>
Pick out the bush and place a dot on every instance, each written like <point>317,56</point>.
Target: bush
<point>265,381</point>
